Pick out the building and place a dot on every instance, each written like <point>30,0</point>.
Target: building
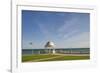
<point>50,45</point>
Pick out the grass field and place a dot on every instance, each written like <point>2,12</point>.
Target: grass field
<point>52,57</point>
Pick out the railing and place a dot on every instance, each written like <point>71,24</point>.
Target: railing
<point>59,51</point>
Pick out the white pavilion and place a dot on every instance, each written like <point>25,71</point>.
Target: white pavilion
<point>50,45</point>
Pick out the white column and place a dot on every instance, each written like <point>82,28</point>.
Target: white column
<point>54,51</point>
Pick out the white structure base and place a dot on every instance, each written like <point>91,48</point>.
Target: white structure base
<point>54,51</point>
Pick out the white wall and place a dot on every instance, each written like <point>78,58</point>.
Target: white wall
<point>5,34</point>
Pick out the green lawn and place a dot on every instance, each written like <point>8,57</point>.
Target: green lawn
<point>69,58</point>
<point>51,57</point>
<point>34,57</point>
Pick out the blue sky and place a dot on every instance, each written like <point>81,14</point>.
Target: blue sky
<point>65,29</point>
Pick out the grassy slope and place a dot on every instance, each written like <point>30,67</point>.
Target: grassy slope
<point>36,57</point>
<point>69,58</point>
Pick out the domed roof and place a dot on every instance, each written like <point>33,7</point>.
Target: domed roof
<point>49,44</point>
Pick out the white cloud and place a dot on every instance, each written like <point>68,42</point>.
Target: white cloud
<point>81,40</point>
<point>70,34</point>
<point>69,28</point>
<point>68,25</point>
<point>44,30</point>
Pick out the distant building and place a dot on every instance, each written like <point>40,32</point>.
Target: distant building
<point>50,45</point>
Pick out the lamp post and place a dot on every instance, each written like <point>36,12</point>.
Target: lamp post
<point>31,46</point>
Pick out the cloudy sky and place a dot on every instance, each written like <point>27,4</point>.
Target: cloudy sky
<point>65,29</point>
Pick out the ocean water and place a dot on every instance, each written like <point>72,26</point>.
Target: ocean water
<point>57,50</point>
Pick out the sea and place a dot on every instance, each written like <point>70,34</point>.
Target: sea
<point>57,50</point>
